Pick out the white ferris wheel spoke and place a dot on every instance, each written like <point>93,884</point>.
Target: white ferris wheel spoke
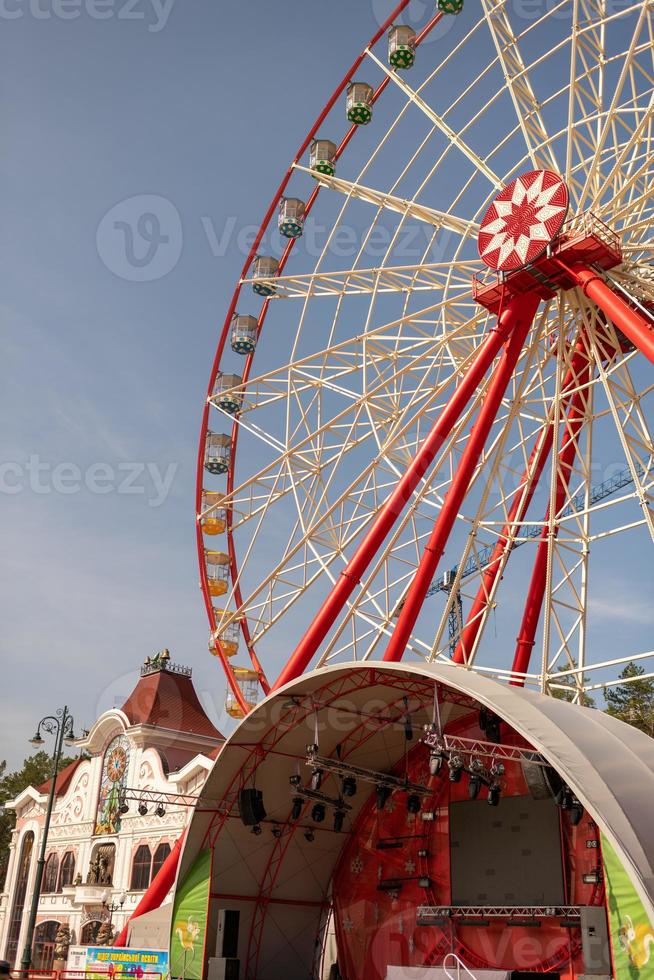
<point>452,136</point>
<point>526,105</point>
<point>409,209</point>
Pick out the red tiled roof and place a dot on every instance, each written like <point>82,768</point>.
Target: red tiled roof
<point>63,779</point>
<point>166,699</point>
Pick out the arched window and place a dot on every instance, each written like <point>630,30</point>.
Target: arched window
<point>160,856</point>
<point>22,877</point>
<point>44,945</point>
<point>141,868</point>
<point>101,865</point>
<point>50,875</point>
<point>90,932</point>
<point>67,870</point>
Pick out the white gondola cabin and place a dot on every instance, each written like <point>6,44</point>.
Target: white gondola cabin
<point>213,517</point>
<point>358,102</point>
<point>248,681</point>
<point>244,333</point>
<point>225,393</point>
<point>322,157</point>
<point>291,217</point>
<point>229,636</point>
<point>401,46</point>
<point>217,565</point>
<point>264,267</point>
<point>217,453</point>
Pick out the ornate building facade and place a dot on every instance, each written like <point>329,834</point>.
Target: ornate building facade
<point>118,811</point>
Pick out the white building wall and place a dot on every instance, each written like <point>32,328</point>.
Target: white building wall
<point>72,828</point>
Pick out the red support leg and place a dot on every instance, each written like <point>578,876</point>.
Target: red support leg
<point>633,324</point>
<point>523,309</point>
<point>519,310</point>
<point>534,603</point>
<point>539,456</point>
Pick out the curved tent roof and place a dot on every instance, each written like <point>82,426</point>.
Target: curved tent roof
<point>608,765</point>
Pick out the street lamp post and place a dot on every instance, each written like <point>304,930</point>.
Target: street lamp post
<point>112,906</point>
<point>61,726</point>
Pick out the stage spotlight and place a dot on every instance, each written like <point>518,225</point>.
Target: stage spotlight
<point>435,762</point>
<point>423,852</point>
<point>277,832</point>
<point>494,793</point>
<point>474,786</point>
<point>413,802</point>
<point>296,812</point>
<point>256,830</point>
<point>124,807</point>
<point>295,780</point>
<point>318,812</point>
<point>349,786</point>
<point>593,877</point>
<point>575,812</point>
<point>456,768</point>
<point>424,882</point>
<point>382,793</point>
<point>316,780</point>
<point>160,811</point>
<point>339,820</point>
<point>142,809</point>
<point>309,836</point>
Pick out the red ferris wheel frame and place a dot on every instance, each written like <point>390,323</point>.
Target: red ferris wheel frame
<point>567,266</point>
<point>233,565</point>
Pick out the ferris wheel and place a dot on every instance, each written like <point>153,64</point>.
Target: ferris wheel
<point>427,424</point>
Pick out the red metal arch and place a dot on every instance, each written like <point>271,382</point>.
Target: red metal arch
<point>246,373</point>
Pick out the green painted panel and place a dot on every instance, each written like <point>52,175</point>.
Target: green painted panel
<point>632,936</point>
<point>189,927</point>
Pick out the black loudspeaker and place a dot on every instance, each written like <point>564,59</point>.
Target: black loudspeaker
<point>543,782</point>
<point>250,804</point>
<point>228,924</point>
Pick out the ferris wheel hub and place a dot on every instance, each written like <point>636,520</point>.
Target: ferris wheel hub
<point>525,217</point>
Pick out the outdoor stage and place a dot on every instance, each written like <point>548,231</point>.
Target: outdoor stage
<point>363,791</point>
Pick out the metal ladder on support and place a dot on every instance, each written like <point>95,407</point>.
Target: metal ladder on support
<point>452,962</point>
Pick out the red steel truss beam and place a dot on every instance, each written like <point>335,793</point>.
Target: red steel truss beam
<point>534,604</point>
<point>518,315</point>
<point>633,324</point>
<point>530,479</point>
<point>518,310</point>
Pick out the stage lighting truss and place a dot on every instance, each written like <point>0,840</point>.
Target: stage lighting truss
<point>476,748</point>
<point>306,794</point>
<point>465,755</point>
<point>345,770</point>
<point>434,914</point>
<point>159,802</point>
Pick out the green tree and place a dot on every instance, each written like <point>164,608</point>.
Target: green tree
<point>36,770</point>
<point>570,683</point>
<point>633,701</point>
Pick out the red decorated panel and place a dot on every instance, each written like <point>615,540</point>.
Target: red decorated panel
<point>522,220</point>
<point>378,887</point>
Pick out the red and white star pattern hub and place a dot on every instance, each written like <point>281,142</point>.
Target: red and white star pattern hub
<point>522,220</point>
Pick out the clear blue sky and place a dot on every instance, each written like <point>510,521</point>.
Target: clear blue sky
<point>202,104</point>
<point>204,109</point>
